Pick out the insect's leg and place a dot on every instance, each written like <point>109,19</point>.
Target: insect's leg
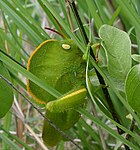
<point>71,100</point>
<point>96,48</point>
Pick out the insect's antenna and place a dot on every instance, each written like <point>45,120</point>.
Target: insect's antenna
<point>55,32</point>
<point>46,118</point>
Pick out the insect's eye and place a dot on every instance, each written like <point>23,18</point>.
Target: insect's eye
<point>66,46</point>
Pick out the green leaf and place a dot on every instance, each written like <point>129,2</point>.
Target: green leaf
<point>133,88</point>
<point>118,47</point>
<point>136,57</point>
<point>6,93</point>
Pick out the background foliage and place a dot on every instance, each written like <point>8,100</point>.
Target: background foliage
<point>22,29</point>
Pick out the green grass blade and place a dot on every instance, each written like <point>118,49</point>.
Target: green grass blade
<point>134,18</point>
<point>138,6</point>
<point>105,127</point>
<point>63,7</point>
<point>13,47</point>
<point>82,136</point>
<point>114,16</point>
<point>50,16</point>
<point>16,139</point>
<point>25,12</point>
<point>9,142</point>
<point>6,126</point>
<point>94,14</point>
<point>90,131</point>
<point>16,39</point>
<point>101,11</point>
<point>22,22</point>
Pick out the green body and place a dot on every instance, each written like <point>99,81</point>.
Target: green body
<point>61,66</point>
